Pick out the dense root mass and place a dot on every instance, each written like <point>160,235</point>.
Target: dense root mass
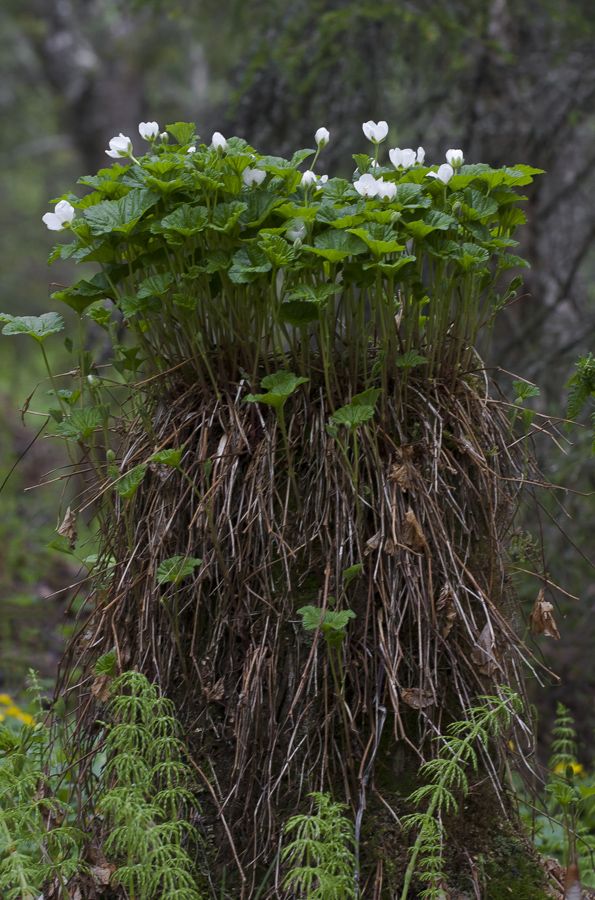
<point>261,698</point>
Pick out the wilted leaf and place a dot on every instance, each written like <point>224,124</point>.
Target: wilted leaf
<point>68,528</point>
<point>484,655</point>
<point>400,474</point>
<point>373,543</point>
<point>416,698</point>
<point>101,688</point>
<point>541,620</point>
<point>446,606</point>
<point>412,533</point>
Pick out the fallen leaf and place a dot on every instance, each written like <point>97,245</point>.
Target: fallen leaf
<point>446,606</point>
<point>103,873</point>
<point>373,543</point>
<point>101,687</point>
<point>484,656</point>
<point>401,475</point>
<point>416,698</point>
<point>68,528</point>
<point>541,620</point>
<point>412,533</point>
<point>389,547</point>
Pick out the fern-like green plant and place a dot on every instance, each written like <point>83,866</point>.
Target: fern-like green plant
<point>36,840</point>
<point>149,795</point>
<point>582,387</point>
<point>321,858</point>
<point>446,774</point>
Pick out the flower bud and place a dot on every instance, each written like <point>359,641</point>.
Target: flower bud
<point>164,137</point>
<point>455,158</point>
<point>457,208</point>
<point>395,216</point>
<point>297,244</point>
<point>253,177</point>
<point>219,143</point>
<point>149,131</point>
<point>375,132</point>
<point>308,178</point>
<point>322,137</point>
<point>110,456</point>
<point>421,155</point>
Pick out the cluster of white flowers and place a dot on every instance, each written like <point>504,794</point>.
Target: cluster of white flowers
<point>366,185</point>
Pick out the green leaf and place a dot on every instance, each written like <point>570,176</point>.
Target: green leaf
<point>62,544</point>
<point>183,132</point>
<point>128,485</point>
<point>472,257</point>
<point>351,573</point>
<point>351,416</point>
<point>38,327</point>
<point>332,620</point>
<point>299,156</point>
<point>258,206</point>
<point>186,220</point>
<point>168,457</point>
<point>81,423</point>
<point>248,263</point>
<point>176,568</point>
<point>279,386</point>
<point>225,215</point>
<point>366,398</point>
<point>379,238</point>
<point>106,664</point>
<point>523,390</point>
<point>477,205</point>
<point>315,293</point>
<point>120,215</point>
<point>155,286</point>
<point>409,359</point>
<point>336,245</point>
<point>277,250</point>
<point>410,196</point>
<point>298,313</point>
<point>100,315</point>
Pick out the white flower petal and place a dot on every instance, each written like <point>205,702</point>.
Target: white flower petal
<point>53,222</point>
<point>455,158</point>
<point>218,141</point>
<point>308,178</point>
<point>149,131</point>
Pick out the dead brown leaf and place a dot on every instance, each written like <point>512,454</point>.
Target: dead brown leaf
<point>412,533</point>
<point>103,873</point>
<point>416,698</point>
<point>68,528</point>
<point>101,687</point>
<point>446,606</point>
<point>541,620</point>
<point>401,474</point>
<point>373,543</point>
<point>484,656</point>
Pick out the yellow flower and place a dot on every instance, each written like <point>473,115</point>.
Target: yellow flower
<point>576,768</point>
<point>4,698</point>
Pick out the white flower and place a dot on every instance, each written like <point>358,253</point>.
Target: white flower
<point>386,189</point>
<point>421,155</point>
<point>191,150</point>
<point>375,132</point>
<point>308,178</point>
<point>374,164</point>
<point>253,176</point>
<point>404,158</point>
<point>297,230</point>
<point>455,158</point>
<point>149,131</point>
<point>444,173</point>
<point>219,142</point>
<point>119,146</point>
<point>322,137</point>
<point>61,217</point>
<point>367,186</point>
<point>322,180</point>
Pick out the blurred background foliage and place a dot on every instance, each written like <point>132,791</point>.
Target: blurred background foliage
<point>509,82</point>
